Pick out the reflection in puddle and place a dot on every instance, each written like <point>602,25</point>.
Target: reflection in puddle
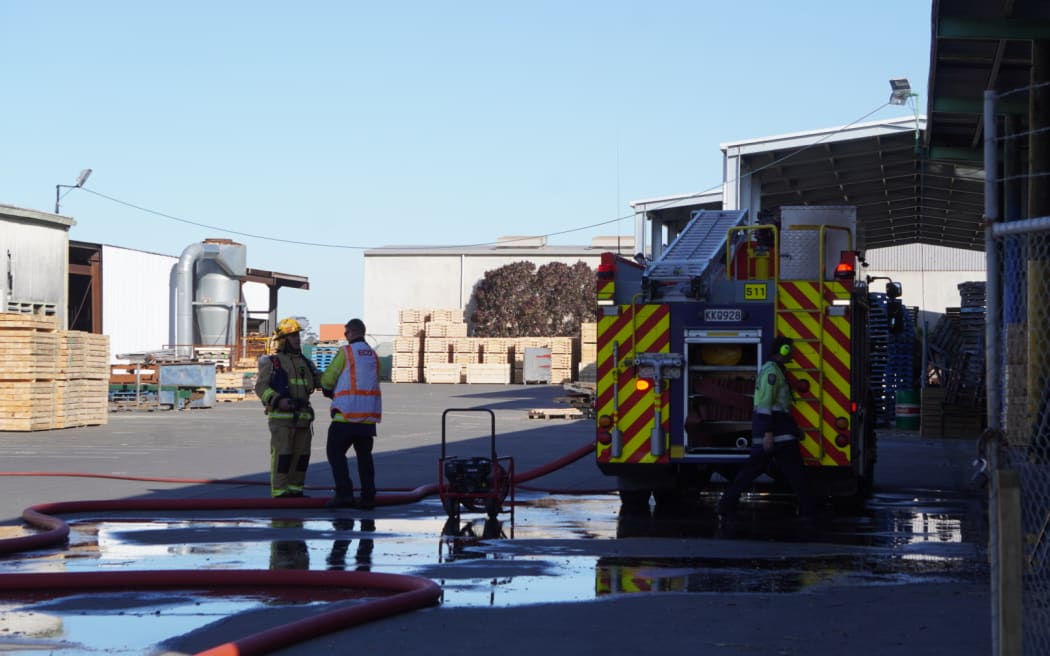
<point>553,552</point>
<point>458,536</point>
<point>628,575</point>
<point>99,622</point>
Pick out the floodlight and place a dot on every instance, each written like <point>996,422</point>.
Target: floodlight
<point>901,91</point>
<point>82,178</point>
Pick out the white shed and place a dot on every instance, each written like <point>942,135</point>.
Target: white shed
<point>407,277</point>
<point>34,262</point>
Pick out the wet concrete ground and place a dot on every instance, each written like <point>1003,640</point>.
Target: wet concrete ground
<point>913,561</point>
<point>555,549</point>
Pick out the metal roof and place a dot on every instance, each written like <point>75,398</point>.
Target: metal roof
<point>275,279</point>
<point>913,180</point>
<point>879,168</point>
<point>977,45</point>
<point>13,213</point>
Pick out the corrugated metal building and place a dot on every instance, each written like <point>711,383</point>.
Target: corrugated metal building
<point>929,275</point>
<point>130,296</point>
<point>138,312</point>
<point>34,262</point>
<point>403,277</point>
<point>124,293</point>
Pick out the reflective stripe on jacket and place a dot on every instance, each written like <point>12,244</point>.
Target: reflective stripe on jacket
<point>294,377</point>
<point>356,397</point>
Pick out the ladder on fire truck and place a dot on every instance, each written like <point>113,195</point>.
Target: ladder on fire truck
<point>697,247</point>
<point>805,271</point>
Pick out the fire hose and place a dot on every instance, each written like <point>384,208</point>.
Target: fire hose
<point>409,592</point>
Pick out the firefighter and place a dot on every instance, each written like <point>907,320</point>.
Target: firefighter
<point>774,435</point>
<point>352,382</point>
<point>284,384</point>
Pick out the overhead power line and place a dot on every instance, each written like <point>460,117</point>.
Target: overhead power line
<point>677,199</point>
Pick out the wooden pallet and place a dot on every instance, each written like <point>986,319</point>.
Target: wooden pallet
<point>555,413</point>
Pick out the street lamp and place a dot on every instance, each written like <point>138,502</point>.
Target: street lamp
<point>81,179</point>
<point>901,91</point>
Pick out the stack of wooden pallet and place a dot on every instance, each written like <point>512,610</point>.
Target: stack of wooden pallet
<point>234,385</point>
<point>433,347</point>
<point>587,369</point>
<point>50,378</point>
<point>940,419</point>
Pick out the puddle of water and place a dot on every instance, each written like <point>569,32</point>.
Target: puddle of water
<point>99,622</point>
<point>540,557</point>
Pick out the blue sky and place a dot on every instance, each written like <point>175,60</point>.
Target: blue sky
<point>414,122</point>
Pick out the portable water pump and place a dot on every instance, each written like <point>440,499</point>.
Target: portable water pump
<point>477,483</point>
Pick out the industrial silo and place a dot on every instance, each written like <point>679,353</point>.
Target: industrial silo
<point>208,294</point>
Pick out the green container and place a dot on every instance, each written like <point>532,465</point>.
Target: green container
<point>907,410</point>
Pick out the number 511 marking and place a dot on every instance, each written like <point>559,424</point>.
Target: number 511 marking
<point>755,292</point>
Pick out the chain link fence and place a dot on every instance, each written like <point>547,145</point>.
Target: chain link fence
<point>1016,446</point>
<point>1020,501</point>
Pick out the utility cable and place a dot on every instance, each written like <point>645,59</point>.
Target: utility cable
<point>217,228</point>
<point>617,219</point>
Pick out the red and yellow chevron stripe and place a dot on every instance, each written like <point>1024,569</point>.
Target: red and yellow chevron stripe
<point>620,579</point>
<point>822,360</point>
<point>634,329</point>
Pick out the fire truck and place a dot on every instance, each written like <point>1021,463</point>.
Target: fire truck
<point>682,337</point>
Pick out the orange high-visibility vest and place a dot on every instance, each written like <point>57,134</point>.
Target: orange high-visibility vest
<point>356,397</point>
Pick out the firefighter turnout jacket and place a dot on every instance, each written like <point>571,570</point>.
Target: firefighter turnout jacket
<point>291,376</point>
<point>352,382</point>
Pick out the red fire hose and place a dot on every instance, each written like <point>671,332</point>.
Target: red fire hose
<point>410,592</point>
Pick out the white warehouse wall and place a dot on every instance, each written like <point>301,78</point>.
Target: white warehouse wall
<point>929,275</point>
<point>137,302</point>
<point>136,306</point>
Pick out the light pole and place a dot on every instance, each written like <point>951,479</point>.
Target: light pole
<point>900,94</point>
<point>81,179</point>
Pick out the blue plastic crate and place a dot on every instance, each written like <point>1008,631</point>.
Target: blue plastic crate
<point>323,356</point>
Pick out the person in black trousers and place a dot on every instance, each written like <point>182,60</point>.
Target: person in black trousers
<point>774,435</point>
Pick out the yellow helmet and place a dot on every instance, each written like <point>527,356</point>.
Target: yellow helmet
<point>286,327</point>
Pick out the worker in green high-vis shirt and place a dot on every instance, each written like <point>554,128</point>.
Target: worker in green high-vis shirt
<point>774,435</point>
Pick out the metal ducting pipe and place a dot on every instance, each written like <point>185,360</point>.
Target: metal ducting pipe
<point>182,340</point>
<point>228,263</point>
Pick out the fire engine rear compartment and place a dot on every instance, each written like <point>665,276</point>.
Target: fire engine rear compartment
<point>718,386</point>
<point>711,420</point>
<point>708,315</point>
